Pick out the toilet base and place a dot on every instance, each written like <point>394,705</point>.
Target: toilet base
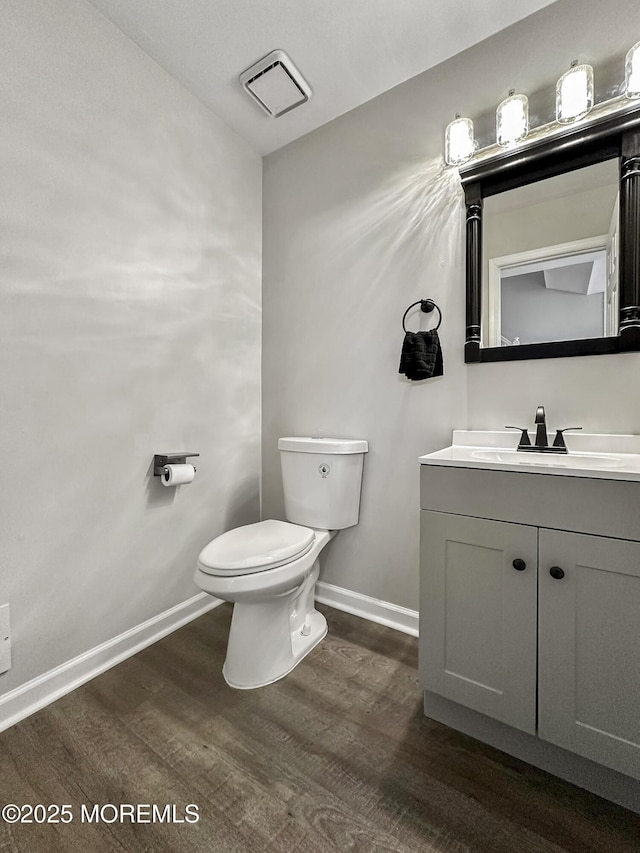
<point>270,636</point>
<point>300,648</point>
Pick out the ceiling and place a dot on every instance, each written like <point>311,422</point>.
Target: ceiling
<point>348,50</point>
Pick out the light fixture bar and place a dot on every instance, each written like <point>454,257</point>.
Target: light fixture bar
<point>618,106</point>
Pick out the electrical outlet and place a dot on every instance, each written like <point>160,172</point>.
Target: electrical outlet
<point>5,639</point>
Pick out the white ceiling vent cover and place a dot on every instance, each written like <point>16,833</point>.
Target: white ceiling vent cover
<point>276,84</point>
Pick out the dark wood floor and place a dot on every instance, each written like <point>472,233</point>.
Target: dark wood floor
<point>336,757</point>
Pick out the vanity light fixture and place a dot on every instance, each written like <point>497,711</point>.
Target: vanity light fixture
<point>512,119</point>
<point>575,98</point>
<point>632,72</point>
<point>574,93</point>
<point>459,144</point>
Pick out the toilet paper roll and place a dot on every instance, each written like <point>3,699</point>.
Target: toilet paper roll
<point>176,475</point>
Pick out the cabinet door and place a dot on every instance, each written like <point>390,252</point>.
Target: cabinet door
<point>589,647</point>
<point>478,615</point>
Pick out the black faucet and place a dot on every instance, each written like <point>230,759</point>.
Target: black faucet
<point>542,440</point>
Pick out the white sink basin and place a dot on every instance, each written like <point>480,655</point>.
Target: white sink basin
<point>615,457</point>
<point>551,460</point>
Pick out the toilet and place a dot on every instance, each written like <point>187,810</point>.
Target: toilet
<point>269,569</point>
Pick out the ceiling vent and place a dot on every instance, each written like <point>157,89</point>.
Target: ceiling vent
<point>276,84</point>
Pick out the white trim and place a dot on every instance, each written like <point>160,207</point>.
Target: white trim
<point>46,688</point>
<point>382,612</point>
<point>611,311</point>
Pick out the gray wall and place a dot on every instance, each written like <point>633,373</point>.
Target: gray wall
<point>129,324</point>
<point>360,219</point>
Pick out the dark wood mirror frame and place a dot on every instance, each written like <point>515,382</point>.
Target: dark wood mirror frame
<point>613,136</point>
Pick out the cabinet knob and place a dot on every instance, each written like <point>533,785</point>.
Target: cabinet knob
<point>519,565</point>
<point>556,573</point>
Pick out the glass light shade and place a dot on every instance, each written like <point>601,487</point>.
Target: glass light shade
<point>512,119</point>
<point>458,141</point>
<point>632,72</point>
<point>574,93</point>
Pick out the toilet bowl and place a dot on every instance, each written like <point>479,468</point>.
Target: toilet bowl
<point>274,623</point>
<point>269,570</point>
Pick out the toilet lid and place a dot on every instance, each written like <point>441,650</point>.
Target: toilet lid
<point>256,546</point>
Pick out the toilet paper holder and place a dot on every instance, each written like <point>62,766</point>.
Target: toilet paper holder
<point>162,459</point>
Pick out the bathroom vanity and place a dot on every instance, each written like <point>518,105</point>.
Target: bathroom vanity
<point>530,602</point>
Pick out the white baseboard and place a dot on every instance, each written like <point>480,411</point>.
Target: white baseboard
<point>46,688</point>
<point>383,612</point>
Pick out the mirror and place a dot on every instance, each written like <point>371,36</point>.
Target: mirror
<point>550,259</point>
<point>553,245</point>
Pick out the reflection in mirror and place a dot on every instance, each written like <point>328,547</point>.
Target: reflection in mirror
<point>551,269</point>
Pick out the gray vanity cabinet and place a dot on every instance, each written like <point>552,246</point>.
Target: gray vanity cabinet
<point>589,648</point>
<point>534,627</point>
<point>478,615</point>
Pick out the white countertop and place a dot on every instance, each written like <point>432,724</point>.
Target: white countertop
<point>605,457</point>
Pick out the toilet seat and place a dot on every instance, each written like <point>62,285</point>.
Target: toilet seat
<point>255,548</point>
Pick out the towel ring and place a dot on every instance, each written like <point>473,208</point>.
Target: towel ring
<point>427,306</point>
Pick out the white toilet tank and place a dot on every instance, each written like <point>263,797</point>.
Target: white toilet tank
<point>322,478</point>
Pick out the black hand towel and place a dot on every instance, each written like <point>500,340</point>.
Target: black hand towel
<point>421,355</point>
